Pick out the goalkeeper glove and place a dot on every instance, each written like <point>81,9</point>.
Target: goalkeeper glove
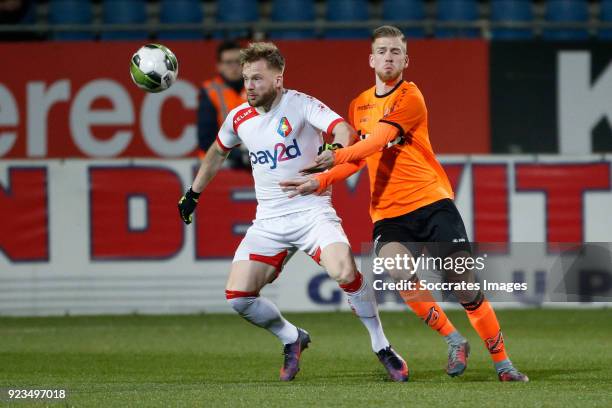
<point>329,146</point>
<point>187,205</point>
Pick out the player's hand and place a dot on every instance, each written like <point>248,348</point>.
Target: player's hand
<point>329,146</point>
<point>322,162</point>
<point>187,205</point>
<point>300,186</point>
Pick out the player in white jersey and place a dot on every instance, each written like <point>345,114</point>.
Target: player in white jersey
<point>282,131</point>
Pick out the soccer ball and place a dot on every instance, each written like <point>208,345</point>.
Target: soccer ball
<point>154,68</point>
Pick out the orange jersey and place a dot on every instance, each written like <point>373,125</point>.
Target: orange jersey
<point>405,175</point>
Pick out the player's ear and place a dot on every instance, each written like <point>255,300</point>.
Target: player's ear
<point>371,59</point>
<point>407,62</point>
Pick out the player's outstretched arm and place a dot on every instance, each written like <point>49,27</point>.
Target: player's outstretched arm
<point>318,183</point>
<point>208,169</point>
<point>382,134</point>
<point>211,164</point>
<point>337,173</point>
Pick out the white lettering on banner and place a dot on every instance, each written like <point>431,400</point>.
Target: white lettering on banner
<point>9,116</point>
<point>41,98</point>
<point>580,104</point>
<point>82,117</point>
<point>39,103</point>
<point>150,121</point>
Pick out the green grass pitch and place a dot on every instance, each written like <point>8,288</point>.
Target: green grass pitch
<point>220,360</point>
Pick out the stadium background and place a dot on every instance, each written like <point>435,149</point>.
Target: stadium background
<point>519,96</point>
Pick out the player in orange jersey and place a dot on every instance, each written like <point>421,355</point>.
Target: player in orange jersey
<point>411,197</point>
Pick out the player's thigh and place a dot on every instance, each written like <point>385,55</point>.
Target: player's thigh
<point>259,258</point>
<point>393,239</point>
<point>338,261</point>
<point>249,276</point>
<point>447,237</point>
<point>445,232</point>
<point>316,229</point>
<point>398,270</point>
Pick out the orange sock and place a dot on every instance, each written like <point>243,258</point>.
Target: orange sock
<point>424,305</point>
<point>483,319</point>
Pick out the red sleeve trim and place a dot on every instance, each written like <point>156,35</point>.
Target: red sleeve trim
<point>224,147</point>
<point>332,125</point>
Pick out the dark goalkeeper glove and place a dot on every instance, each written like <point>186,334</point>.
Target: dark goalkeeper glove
<point>187,205</point>
<point>329,146</point>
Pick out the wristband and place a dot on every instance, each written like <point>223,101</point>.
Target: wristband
<point>190,193</point>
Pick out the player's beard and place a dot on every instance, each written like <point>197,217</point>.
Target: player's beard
<point>264,100</point>
<point>388,76</point>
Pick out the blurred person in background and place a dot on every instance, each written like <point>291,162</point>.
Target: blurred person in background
<point>218,96</point>
<point>14,12</point>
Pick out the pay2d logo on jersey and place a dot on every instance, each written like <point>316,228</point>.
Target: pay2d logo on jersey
<point>279,153</point>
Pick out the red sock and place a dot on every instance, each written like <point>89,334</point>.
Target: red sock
<point>353,286</point>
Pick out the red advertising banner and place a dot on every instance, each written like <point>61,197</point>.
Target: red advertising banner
<point>127,210</point>
<point>65,100</point>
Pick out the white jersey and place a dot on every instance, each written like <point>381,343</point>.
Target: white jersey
<point>281,142</point>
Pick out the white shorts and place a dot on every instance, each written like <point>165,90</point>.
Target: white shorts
<point>271,240</point>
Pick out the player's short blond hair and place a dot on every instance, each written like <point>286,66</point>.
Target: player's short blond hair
<point>388,31</point>
<point>263,51</point>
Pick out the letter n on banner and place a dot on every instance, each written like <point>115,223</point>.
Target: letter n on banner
<point>114,234</point>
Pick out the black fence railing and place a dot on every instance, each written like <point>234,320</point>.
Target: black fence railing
<point>319,27</point>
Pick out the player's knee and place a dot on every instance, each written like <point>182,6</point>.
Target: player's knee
<point>344,273</point>
<point>459,254</point>
<point>240,301</point>
<point>240,305</point>
<point>471,301</point>
<point>401,274</point>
